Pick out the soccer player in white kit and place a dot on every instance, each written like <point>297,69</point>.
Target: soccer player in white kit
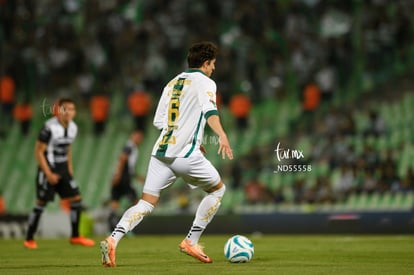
<point>187,103</point>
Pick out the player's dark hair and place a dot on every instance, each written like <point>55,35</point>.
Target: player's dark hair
<point>65,100</point>
<point>201,52</point>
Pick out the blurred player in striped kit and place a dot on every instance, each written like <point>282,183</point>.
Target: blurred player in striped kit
<point>122,184</point>
<point>53,153</point>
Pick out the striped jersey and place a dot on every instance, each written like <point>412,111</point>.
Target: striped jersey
<point>185,104</point>
<point>131,150</point>
<point>58,139</point>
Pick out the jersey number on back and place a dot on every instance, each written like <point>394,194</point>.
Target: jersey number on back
<point>173,111</point>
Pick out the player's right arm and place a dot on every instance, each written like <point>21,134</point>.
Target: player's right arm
<point>40,149</point>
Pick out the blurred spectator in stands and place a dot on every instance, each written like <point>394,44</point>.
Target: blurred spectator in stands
<point>376,125</point>
<point>278,196</point>
<point>407,182</point>
<point>387,167</point>
<point>323,191</point>
<point>331,122</point>
<point>300,59</point>
<point>7,90</point>
<point>318,192</point>
<point>345,183</point>
<point>403,33</point>
<point>369,182</point>
<point>298,189</point>
<point>139,104</point>
<point>347,125</point>
<point>237,169</point>
<point>370,157</point>
<point>326,79</point>
<point>99,107</point>
<point>406,185</point>
<point>240,106</point>
<point>350,155</point>
<point>310,192</point>
<point>389,179</point>
<point>23,113</point>
<point>256,158</point>
<point>389,159</point>
<point>84,83</point>
<point>256,192</point>
<point>410,175</point>
<point>340,152</point>
<point>310,103</point>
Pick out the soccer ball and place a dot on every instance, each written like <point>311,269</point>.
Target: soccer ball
<point>238,249</point>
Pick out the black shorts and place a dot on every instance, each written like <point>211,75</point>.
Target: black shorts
<point>66,187</point>
<point>123,189</point>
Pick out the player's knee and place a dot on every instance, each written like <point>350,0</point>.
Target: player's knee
<point>219,192</point>
<point>151,196</point>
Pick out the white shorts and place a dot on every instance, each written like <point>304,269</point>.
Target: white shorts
<point>195,170</point>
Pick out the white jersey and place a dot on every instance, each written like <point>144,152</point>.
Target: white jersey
<point>185,104</point>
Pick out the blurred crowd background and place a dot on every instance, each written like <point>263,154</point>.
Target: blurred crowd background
<point>332,79</point>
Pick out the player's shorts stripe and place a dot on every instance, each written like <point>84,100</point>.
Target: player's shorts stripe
<point>195,137</point>
<point>42,180</point>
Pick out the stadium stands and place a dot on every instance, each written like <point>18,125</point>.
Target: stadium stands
<point>276,115</point>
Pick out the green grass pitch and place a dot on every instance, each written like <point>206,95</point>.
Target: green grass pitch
<point>274,254</point>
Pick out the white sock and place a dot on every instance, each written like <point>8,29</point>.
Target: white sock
<point>131,218</point>
<point>205,213</point>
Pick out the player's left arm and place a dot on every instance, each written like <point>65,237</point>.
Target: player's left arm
<point>207,99</point>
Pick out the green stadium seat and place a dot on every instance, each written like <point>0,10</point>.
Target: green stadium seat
<point>387,201</point>
<point>275,181</point>
<point>351,202</point>
<point>409,201</point>
<point>373,201</point>
<point>404,201</point>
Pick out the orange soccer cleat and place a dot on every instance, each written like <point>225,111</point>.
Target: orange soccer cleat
<point>31,244</point>
<point>108,252</point>
<point>195,251</point>
<point>82,241</point>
